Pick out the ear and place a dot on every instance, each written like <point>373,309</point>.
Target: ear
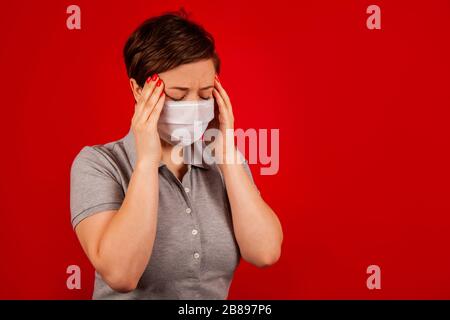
<point>135,89</point>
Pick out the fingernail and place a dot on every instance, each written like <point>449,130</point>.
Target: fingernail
<point>148,79</point>
<point>158,83</point>
<point>154,77</point>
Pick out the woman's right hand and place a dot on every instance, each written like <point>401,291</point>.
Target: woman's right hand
<point>119,242</point>
<point>144,123</point>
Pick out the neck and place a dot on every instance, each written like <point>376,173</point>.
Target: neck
<point>172,155</point>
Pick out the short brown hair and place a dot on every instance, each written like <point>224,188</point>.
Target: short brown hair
<point>164,42</point>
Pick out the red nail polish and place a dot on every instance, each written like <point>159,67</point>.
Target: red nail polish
<point>148,79</point>
<point>162,93</point>
<point>158,83</point>
<point>154,77</point>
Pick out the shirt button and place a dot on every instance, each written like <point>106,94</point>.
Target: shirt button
<point>196,255</point>
<point>188,210</point>
<point>187,190</point>
<point>194,232</point>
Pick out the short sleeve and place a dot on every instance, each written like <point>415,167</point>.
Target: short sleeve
<point>247,169</point>
<point>93,185</point>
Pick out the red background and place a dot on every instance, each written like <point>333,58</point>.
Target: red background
<point>364,129</point>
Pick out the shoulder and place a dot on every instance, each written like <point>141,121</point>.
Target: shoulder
<point>96,180</point>
<point>103,157</point>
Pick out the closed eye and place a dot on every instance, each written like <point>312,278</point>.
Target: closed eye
<point>186,89</point>
<point>179,99</point>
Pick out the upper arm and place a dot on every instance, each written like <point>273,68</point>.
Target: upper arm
<point>249,174</point>
<point>90,230</point>
<point>95,196</point>
<point>94,186</point>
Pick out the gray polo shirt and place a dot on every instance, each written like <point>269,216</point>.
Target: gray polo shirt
<point>195,252</point>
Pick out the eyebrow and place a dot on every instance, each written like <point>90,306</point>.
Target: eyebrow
<point>186,89</point>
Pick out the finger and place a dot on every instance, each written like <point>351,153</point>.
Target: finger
<point>149,87</point>
<point>222,92</point>
<point>154,116</point>
<point>220,101</point>
<point>147,90</point>
<point>153,99</point>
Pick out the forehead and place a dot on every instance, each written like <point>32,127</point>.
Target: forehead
<point>190,74</point>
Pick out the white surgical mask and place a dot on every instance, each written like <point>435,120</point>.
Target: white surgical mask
<point>184,122</point>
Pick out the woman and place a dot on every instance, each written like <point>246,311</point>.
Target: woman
<point>154,223</point>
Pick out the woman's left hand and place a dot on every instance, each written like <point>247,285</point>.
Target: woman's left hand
<point>256,227</point>
<point>225,142</point>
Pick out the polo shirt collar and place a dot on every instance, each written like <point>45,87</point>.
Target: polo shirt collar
<point>196,150</point>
